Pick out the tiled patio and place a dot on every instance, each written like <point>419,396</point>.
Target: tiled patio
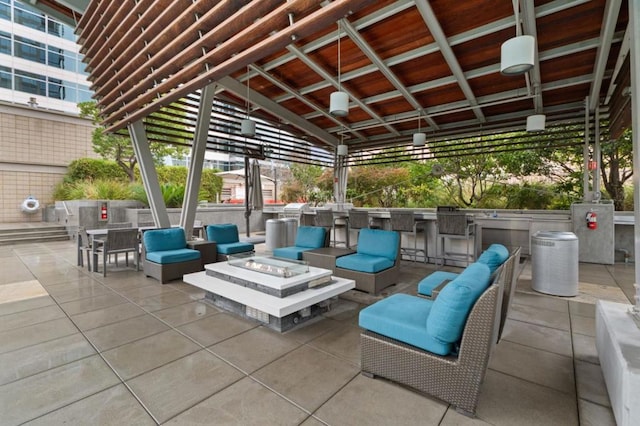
<point>82,349</point>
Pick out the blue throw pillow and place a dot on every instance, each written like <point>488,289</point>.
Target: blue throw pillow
<point>452,306</point>
<point>492,259</point>
<point>501,250</point>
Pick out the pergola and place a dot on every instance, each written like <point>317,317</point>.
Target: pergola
<point>407,66</point>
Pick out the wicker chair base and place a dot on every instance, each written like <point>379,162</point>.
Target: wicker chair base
<point>456,380</point>
<point>170,271</point>
<point>371,283</point>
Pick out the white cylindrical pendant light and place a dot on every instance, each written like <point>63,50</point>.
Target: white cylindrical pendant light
<point>248,128</point>
<point>419,139</point>
<point>342,150</point>
<point>339,104</point>
<point>536,123</point>
<point>517,55</point>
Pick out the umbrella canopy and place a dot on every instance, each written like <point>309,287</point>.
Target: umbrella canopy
<point>255,187</point>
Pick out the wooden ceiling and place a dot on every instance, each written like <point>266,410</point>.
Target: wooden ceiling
<point>405,64</point>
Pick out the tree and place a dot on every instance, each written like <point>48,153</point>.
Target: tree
<point>118,148</point>
<point>303,185</point>
<point>616,167</point>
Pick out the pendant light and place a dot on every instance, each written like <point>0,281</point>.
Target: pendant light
<point>536,123</point>
<point>419,138</point>
<point>339,101</point>
<point>517,55</point>
<point>248,126</point>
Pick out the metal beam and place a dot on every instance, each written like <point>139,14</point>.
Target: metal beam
<point>611,12</point>
<point>335,83</point>
<point>239,89</point>
<point>441,39</point>
<point>149,175</point>
<point>529,27</point>
<point>194,176</point>
<point>355,36</point>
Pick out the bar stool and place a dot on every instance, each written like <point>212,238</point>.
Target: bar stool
<point>404,221</point>
<point>452,224</point>
<point>326,219</point>
<point>358,219</point>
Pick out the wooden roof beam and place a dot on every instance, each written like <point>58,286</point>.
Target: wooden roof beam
<point>139,66</point>
<point>90,17</point>
<point>178,69</point>
<point>114,33</point>
<point>302,28</point>
<point>156,35</point>
<point>107,15</point>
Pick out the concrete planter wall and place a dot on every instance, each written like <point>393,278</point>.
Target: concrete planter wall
<point>76,213</point>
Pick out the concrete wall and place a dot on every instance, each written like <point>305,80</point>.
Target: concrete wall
<point>36,146</point>
<point>86,213</point>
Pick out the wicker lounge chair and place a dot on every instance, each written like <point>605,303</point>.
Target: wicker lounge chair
<point>454,378</point>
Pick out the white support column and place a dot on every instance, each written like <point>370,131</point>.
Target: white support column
<point>634,20</point>
<point>149,174</point>
<point>597,157</point>
<point>194,177</point>
<point>587,194</point>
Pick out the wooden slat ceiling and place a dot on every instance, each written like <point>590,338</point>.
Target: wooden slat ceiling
<point>399,60</point>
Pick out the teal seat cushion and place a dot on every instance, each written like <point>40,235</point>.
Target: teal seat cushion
<point>233,248</point>
<point>173,256</point>
<point>164,239</point>
<point>364,262</point>
<point>378,242</point>
<point>224,233</point>
<point>433,280</point>
<point>292,252</point>
<point>450,310</point>
<point>403,317</point>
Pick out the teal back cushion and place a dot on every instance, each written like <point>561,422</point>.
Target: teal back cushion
<point>502,251</point>
<point>164,239</point>
<point>223,233</point>
<point>492,259</point>
<point>378,242</point>
<point>452,306</point>
<point>310,236</point>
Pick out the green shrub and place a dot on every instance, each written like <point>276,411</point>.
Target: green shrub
<point>91,168</point>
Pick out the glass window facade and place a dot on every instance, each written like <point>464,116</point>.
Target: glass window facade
<point>39,51</point>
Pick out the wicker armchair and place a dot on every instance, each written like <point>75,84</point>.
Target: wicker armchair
<point>455,379</point>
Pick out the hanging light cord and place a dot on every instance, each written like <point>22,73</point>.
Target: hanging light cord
<point>516,11</point>
<point>339,32</point>
<point>248,102</point>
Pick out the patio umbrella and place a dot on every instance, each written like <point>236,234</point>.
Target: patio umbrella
<point>255,187</point>
<point>253,194</point>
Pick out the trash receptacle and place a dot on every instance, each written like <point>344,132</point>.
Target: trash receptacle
<point>276,234</point>
<point>291,225</point>
<point>554,263</point>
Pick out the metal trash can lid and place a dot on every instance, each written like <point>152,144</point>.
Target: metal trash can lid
<point>556,235</point>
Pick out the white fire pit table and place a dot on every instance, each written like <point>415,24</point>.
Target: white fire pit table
<point>279,293</point>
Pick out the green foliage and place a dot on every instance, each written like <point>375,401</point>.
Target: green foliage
<point>98,189</point>
<point>118,147</point>
<point>173,194</point>
<point>210,185</point>
<point>91,168</point>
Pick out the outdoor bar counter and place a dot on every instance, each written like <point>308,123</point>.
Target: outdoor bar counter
<point>513,228</point>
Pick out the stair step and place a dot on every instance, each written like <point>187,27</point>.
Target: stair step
<point>34,239</point>
<point>33,234</point>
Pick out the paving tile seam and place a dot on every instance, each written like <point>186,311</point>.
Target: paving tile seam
<point>333,395</point>
<point>269,388</point>
<point>39,372</point>
<point>574,394</point>
<point>203,399</point>
<point>115,372</point>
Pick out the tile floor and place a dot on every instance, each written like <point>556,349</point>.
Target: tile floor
<point>77,348</point>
